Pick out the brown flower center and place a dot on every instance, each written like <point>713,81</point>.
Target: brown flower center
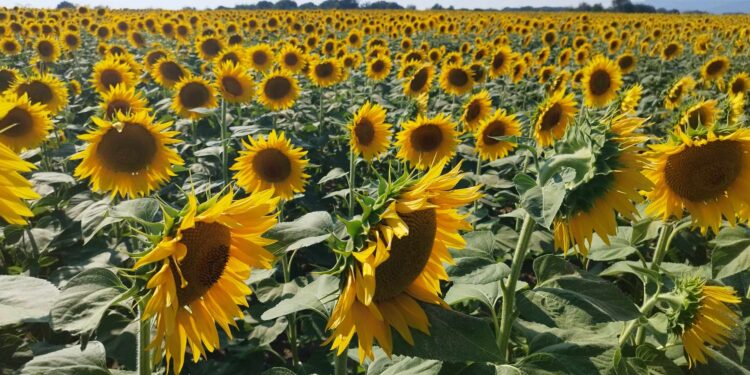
<point>291,59</point>
<point>110,77</point>
<point>260,58</point>
<point>129,151</point>
<point>16,123</point>
<point>738,86</point>
<point>420,80</point>
<point>365,131</point>
<point>494,129</point>
<point>378,66</point>
<point>473,111</point>
<point>232,86</point>
<point>194,95</point>
<point>498,61</point>
<point>551,117</point>
<point>272,165</point>
<point>427,138</point>
<point>71,40</point>
<point>45,48</point>
<point>171,71</point>
<point>153,57</point>
<point>9,47</point>
<point>211,47</point>
<point>600,82</point>
<point>408,256</point>
<point>117,105</point>
<point>7,78</point>
<point>324,70</point>
<point>231,56</point>
<point>458,77</point>
<point>37,91</point>
<point>700,173</point>
<point>625,62</point>
<point>277,88</point>
<point>206,258</point>
<point>715,67</point>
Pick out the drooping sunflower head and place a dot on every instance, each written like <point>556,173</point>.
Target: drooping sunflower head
<point>715,68</point>
<point>427,141</point>
<point>609,189</point>
<point>379,68</point>
<point>278,91</point>
<point>166,71</point>
<point>370,135</point>
<point>23,124</point>
<point>703,114</point>
<point>260,57</point>
<point>234,83</point>
<point>476,109</point>
<point>456,79</point>
<point>678,92</point>
<point>701,315</point>
<point>601,80</point>
<point>398,262</point>
<point>47,49</point>
<point>201,264</point>
<point>739,84</point>
<point>705,174</point>
<point>130,156</point>
<point>553,118</point>
<point>122,99</point>
<point>325,72</point>
<point>272,163</point>
<point>109,73</point>
<point>43,89</point>
<point>500,124</point>
<point>546,73</point>
<point>421,81</point>
<point>291,58</point>
<point>193,92</point>
<point>14,187</point>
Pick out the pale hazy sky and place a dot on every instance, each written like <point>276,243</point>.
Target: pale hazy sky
<point>200,4</point>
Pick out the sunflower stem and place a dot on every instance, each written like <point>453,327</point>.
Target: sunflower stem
<point>509,291</point>
<point>339,364</point>
<point>352,176</point>
<point>224,143</point>
<point>144,338</point>
<point>320,110</point>
<point>292,327</point>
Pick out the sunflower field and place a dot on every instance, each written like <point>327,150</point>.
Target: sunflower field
<point>373,192</point>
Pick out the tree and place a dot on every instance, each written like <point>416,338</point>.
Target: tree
<point>264,5</point>
<point>437,7</point>
<point>286,4</point>
<point>65,5</point>
<point>308,5</point>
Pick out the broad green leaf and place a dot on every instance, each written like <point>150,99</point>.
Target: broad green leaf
<point>25,299</point>
<point>731,252</point>
<point>476,279</point>
<point>570,359</point>
<point>84,300</point>
<point>619,246</point>
<point>94,218</point>
<point>308,230</point>
<point>52,178</point>
<point>542,203</point>
<point>70,361</point>
<point>400,365</point>
<point>333,174</point>
<point>142,209</point>
<point>317,296</point>
<point>454,337</point>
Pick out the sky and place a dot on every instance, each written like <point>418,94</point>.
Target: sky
<point>719,6</point>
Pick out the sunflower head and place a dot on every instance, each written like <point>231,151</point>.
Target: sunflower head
<point>130,156</point>
<point>500,124</point>
<point>197,270</point>
<point>272,163</point>
<point>379,68</point>
<point>740,84</point>
<point>553,118</point>
<point>701,115</point>
<point>235,85</point>
<point>166,71</point>
<point>260,57</point>
<point>427,141</point>
<point>23,123</point>
<point>601,80</point>
<point>109,73</point>
<point>701,315</point>
<point>122,99</point>
<point>278,91</point>
<point>678,92</point>
<point>476,109</point>
<point>47,49</point>
<point>370,135</point>
<point>421,81</point>
<point>456,79</point>
<point>715,68</point>
<point>44,89</point>
<point>191,93</point>
<point>396,259</point>
<point>325,72</point>
<point>8,76</point>
<point>291,58</point>
<point>208,47</point>
<point>631,99</point>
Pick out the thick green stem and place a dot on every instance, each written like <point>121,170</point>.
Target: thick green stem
<point>352,176</point>
<point>339,364</point>
<point>224,144</point>
<point>291,330</point>
<point>509,291</point>
<point>144,339</point>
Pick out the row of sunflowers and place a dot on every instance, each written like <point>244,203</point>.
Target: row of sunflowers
<point>373,192</point>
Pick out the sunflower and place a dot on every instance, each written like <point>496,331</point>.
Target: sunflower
<point>601,80</point>
<point>614,187</point>
<point>14,188</point>
<point>291,58</point>
<point>10,46</point>
<point>678,91</point>
<point>501,61</point>
<point>369,135</point>
<point>631,99</point>
<point>546,73</point>
<point>71,41</point>
<point>47,49</point>
<point>193,92</point>
<point>702,114</point>
<point>708,176</point>
<point>518,70</point>
<point>627,62</point>
<point>167,72</point>
<point>401,263</point>
<point>202,266</point>
<point>109,73</point>
<point>427,141</point>
<point>208,47</point>
<point>671,51</point>
<point>703,316</point>
<point>130,156</point>
<point>379,68</point>
<point>260,57</point>
<point>23,124</point>
<point>325,72</point>
<point>421,81</point>
<point>153,56</point>
<point>8,76</point>
<point>553,118</point>
<point>235,85</point>
<point>271,163</point>
<point>278,91</point>
<point>122,99</point>
<point>43,89</point>
<point>559,83</point>
<point>736,109</point>
<point>739,84</point>
<point>476,109</point>
<point>500,124</point>
<point>235,54</point>
<point>456,79</point>
<point>715,68</point>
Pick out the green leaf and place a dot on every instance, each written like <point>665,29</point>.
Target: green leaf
<point>25,299</point>
<point>399,365</point>
<point>84,300</point>
<point>141,209</point>
<point>582,161</point>
<point>454,337</point>
<point>52,178</point>
<point>70,361</point>
<point>317,296</point>
<point>333,174</point>
<point>308,230</point>
<point>542,203</point>
<point>476,279</point>
<point>94,218</point>
<point>569,359</point>
<point>731,253</point>
<point>619,246</point>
